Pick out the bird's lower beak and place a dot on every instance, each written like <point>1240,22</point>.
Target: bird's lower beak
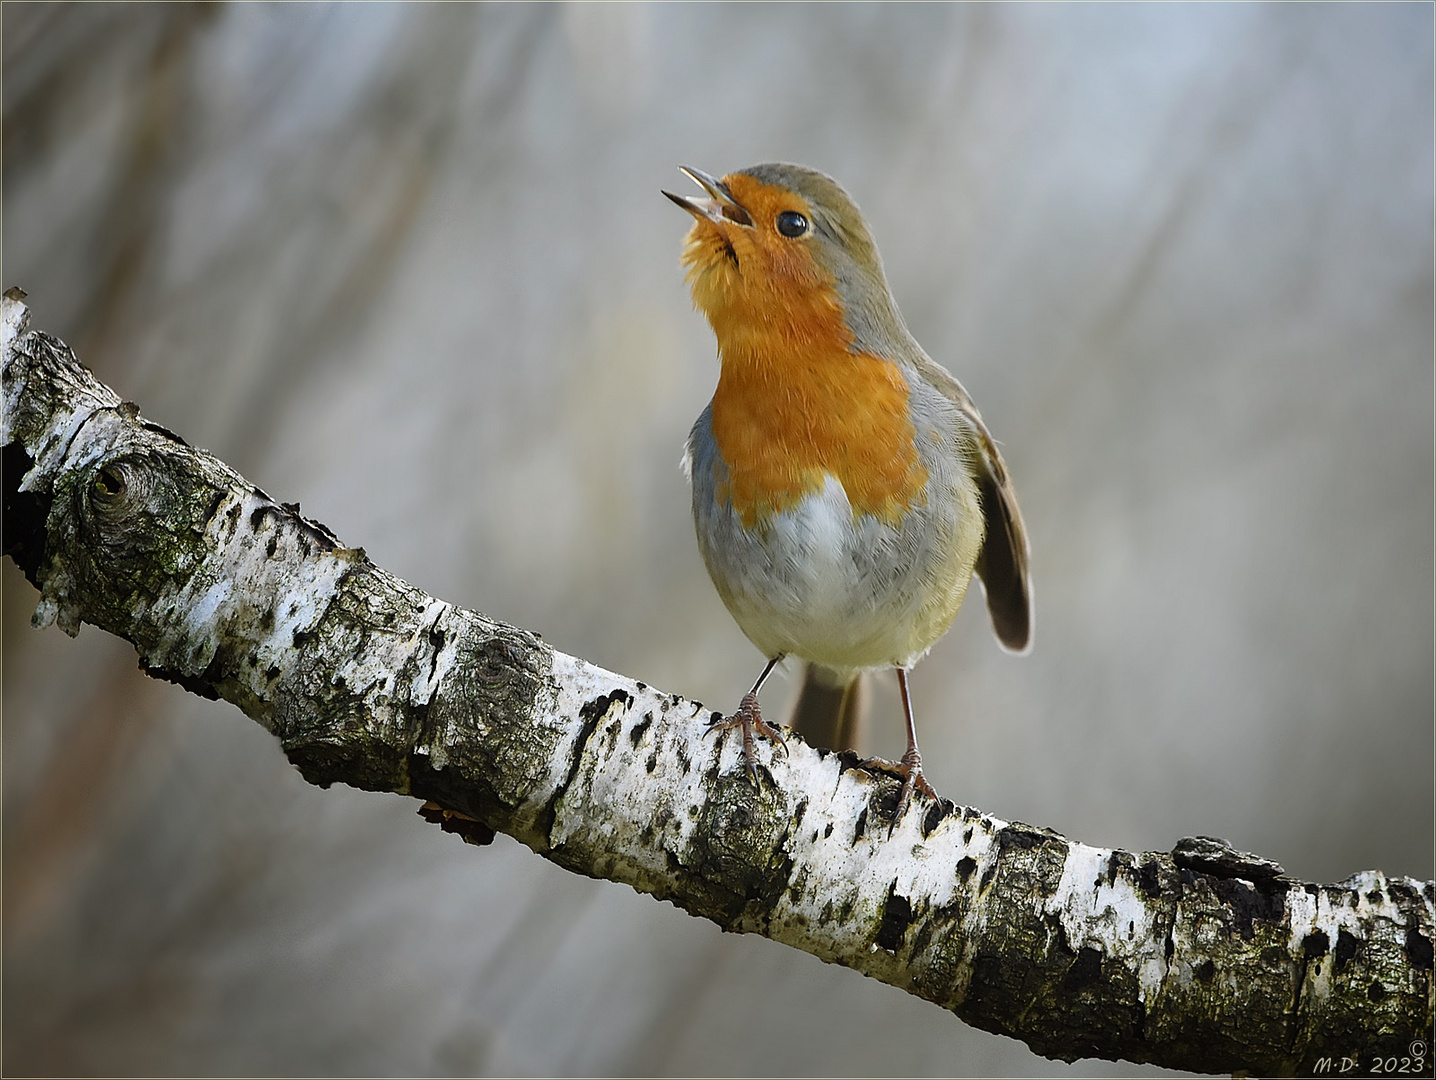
<point>720,204</point>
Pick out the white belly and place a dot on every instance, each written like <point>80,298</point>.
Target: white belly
<point>817,584</point>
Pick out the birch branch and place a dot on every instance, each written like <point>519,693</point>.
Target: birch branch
<point>1203,958</point>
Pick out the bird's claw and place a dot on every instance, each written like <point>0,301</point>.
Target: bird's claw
<point>750,718</point>
<point>910,769</point>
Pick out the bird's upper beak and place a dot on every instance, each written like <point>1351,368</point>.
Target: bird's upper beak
<point>720,204</point>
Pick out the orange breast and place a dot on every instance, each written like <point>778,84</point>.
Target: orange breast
<point>793,406</point>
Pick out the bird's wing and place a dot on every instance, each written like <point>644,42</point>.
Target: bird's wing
<point>1002,563</point>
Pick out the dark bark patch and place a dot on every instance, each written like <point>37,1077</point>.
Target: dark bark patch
<point>897,917</point>
<point>25,514</point>
<point>1150,879</point>
<point>215,502</point>
<point>597,708</point>
<point>1418,948</point>
<point>1085,970</point>
<point>1348,945</point>
<point>987,876</point>
<point>640,729</point>
<point>1021,838</point>
<point>1399,890</point>
<point>1250,904</point>
<point>437,640</point>
<point>935,815</point>
<point>1039,855</point>
<point>1315,944</point>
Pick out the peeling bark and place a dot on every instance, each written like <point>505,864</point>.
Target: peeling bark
<point>1204,958</point>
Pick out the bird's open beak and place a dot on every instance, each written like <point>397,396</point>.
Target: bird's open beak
<point>720,204</point>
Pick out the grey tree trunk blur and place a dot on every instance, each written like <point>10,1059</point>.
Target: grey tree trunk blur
<point>363,679</point>
<point>411,266</point>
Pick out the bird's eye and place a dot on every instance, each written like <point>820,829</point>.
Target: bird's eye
<point>792,223</point>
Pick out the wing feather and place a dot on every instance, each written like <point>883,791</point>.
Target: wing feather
<point>1002,564</point>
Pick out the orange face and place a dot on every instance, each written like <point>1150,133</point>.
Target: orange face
<point>743,273</point>
<point>795,401</point>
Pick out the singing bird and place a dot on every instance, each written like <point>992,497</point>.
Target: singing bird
<point>845,488</point>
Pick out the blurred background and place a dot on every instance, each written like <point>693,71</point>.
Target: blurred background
<point>410,266</point>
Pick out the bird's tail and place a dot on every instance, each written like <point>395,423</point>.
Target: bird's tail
<point>829,708</point>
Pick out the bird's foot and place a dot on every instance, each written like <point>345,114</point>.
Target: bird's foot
<point>910,769</point>
<point>750,718</point>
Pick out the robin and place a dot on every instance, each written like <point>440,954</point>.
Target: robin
<point>845,488</point>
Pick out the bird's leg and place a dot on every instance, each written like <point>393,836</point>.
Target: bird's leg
<point>910,767</point>
<point>750,718</point>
